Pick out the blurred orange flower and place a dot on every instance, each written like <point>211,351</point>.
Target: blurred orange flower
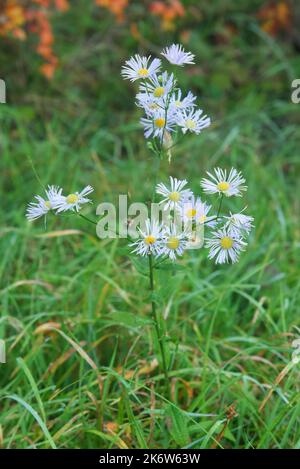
<point>275,17</point>
<point>135,31</point>
<point>11,18</point>
<point>168,12</point>
<point>116,7</point>
<point>38,23</point>
<point>61,5</point>
<point>48,69</point>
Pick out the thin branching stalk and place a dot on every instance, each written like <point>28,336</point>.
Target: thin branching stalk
<point>220,205</point>
<point>87,219</point>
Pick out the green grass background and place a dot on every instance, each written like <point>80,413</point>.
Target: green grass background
<point>230,328</point>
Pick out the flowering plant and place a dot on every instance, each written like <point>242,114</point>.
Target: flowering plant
<point>169,116</point>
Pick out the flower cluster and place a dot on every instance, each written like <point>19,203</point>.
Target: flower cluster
<point>160,240</point>
<point>55,200</point>
<point>228,232</point>
<point>167,109</point>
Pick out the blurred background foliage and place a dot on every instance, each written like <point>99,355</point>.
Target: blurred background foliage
<point>61,59</point>
<point>79,45</point>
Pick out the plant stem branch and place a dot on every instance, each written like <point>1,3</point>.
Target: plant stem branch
<point>87,219</point>
<point>220,205</point>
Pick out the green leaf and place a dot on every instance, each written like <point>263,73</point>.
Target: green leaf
<point>35,415</point>
<point>179,427</point>
<point>129,320</point>
<point>170,267</point>
<point>229,435</point>
<point>215,428</point>
<point>33,385</point>
<point>141,266</point>
<point>134,422</point>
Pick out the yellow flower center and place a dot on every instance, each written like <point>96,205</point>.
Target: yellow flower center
<point>226,242</point>
<point>159,122</point>
<point>202,218</point>
<point>48,203</point>
<point>143,72</point>
<point>150,239</point>
<point>72,198</point>
<point>173,243</point>
<point>178,103</point>
<point>191,212</point>
<point>159,91</point>
<point>190,124</point>
<point>174,196</point>
<point>223,186</point>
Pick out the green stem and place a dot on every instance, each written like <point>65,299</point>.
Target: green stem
<point>218,213</point>
<point>157,328</point>
<point>87,219</point>
<point>156,171</point>
<point>220,205</point>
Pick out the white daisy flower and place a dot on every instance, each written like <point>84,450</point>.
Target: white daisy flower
<point>174,242</point>
<point>190,208</point>
<point>225,246</point>
<point>194,210</point>
<point>37,209</point>
<point>74,201</point>
<point>179,103</point>
<point>159,86</point>
<point>174,194</point>
<point>42,206</point>
<point>150,240</point>
<point>176,55</point>
<point>149,103</point>
<point>223,184</point>
<point>239,224</point>
<point>202,215</point>
<point>192,121</point>
<point>138,67</point>
<point>156,124</point>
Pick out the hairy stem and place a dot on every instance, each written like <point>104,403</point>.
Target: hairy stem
<point>157,327</point>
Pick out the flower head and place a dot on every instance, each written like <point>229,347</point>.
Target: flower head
<point>194,210</point>
<point>174,242</point>
<point>44,205</point>
<point>150,240</point>
<point>74,200</point>
<point>176,55</point>
<point>223,184</point>
<point>239,224</point>
<point>137,68</point>
<point>202,216</point>
<point>179,104</point>
<point>158,86</point>
<point>191,120</point>
<point>149,103</point>
<point>156,124</point>
<point>225,246</point>
<point>175,194</point>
